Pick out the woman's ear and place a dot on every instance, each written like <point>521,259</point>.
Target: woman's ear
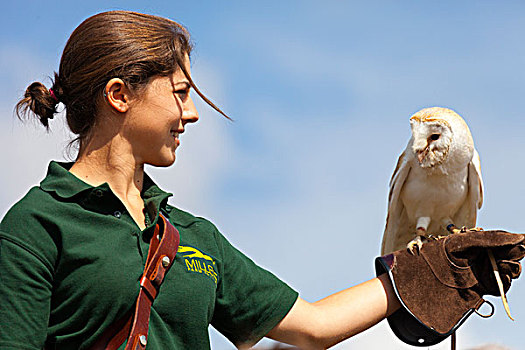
<point>117,95</point>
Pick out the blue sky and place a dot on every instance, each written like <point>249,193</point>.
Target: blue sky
<point>321,95</point>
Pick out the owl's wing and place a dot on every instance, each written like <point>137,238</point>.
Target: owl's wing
<point>396,220</point>
<point>476,186</point>
<point>467,213</point>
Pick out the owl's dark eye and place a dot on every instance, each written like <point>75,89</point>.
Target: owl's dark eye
<point>434,137</point>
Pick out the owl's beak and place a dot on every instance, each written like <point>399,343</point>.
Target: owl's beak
<point>422,154</point>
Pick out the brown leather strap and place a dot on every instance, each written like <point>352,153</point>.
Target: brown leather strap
<point>134,327</point>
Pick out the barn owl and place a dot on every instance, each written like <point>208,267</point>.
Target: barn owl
<point>437,181</point>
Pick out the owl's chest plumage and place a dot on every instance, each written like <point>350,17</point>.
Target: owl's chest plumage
<point>434,194</point>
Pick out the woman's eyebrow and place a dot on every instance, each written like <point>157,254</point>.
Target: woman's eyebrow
<point>185,82</point>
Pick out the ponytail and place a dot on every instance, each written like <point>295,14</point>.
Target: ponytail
<point>42,102</point>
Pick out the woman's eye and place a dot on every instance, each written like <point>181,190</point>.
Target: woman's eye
<point>434,137</point>
<point>183,94</point>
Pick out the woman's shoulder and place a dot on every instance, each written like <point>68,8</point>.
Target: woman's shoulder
<point>32,202</point>
<point>26,224</point>
<point>195,228</point>
<point>185,219</point>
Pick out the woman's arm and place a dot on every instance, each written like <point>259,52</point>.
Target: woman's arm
<point>337,317</point>
<point>25,294</point>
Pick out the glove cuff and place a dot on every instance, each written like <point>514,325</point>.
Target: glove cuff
<point>430,310</point>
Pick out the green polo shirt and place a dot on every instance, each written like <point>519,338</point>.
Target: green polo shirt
<point>71,258</point>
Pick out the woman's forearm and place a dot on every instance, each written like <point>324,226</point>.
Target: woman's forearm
<point>337,317</point>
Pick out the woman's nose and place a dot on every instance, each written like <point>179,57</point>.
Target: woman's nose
<point>190,114</point>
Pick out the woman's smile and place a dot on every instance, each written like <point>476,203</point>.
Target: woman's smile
<point>175,136</point>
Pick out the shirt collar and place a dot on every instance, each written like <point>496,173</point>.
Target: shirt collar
<point>67,185</point>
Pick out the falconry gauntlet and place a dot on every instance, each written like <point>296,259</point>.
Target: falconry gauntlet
<point>440,287</point>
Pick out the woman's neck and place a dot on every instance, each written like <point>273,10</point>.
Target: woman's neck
<point>113,163</point>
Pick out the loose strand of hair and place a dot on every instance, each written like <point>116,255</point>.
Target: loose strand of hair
<point>201,95</point>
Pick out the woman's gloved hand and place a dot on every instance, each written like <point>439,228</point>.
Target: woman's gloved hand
<point>442,285</point>
<point>470,249</point>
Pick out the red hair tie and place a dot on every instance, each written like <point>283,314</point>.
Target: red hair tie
<point>53,95</point>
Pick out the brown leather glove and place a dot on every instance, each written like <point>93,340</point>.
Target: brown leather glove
<point>442,285</point>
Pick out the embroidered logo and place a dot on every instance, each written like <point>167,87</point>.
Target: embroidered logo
<point>198,262</point>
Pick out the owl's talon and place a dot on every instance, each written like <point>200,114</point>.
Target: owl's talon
<point>414,246</point>
<point>453,229</point>
<point>435,237</point>
<point>472,229</point>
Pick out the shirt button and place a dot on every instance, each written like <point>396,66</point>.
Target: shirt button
<point>99,193</point>
<point>117,214</point>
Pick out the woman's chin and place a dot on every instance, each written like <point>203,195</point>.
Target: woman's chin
<point>164,162</point>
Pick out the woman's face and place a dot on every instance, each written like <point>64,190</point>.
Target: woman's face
<point>158,116</point>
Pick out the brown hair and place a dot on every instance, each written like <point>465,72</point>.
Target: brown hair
<point>132,46</point>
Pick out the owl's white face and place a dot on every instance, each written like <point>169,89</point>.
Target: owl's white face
<point>431,141</point>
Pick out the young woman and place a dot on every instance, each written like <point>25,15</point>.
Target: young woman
<point>72,251</point>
